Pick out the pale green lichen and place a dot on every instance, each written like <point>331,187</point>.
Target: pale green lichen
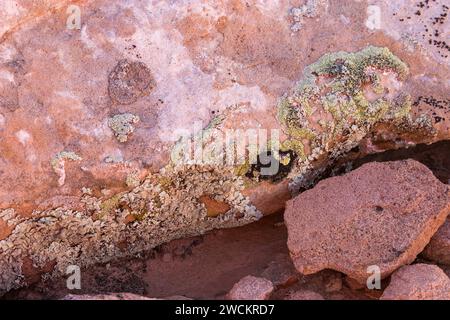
<point>308,10</point>
<point>64,155</point>
<point>108,206</point>
<point>242,169</point>
<point>340,99</point>
<point>132,180</point>
<point>165,206</point>
<point>123,125</point>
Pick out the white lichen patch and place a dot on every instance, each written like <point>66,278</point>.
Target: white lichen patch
<point>9,216</point>
<point>58,164</point>
<point>309,10</point>
<point>163,207</point>
<point>123,125</point>
<point>132,179</point>
<point>373,21</point>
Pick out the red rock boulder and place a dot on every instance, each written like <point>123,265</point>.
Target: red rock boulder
<point>418,282</point>
<point>381,214</point>
<point>439,247</point>
<point>251,288</point>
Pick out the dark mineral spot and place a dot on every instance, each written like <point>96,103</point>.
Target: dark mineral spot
<point>129,81</point>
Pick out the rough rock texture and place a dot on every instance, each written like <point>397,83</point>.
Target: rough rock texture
<point>251,288</point>
<point>304,295</point>
<point>381,214</point>
<point>111,296</point>
<point>418,282</point>
<point>281,271</point>
<point>117,296</point>
<point>80,183</point>
<point>438,249</point>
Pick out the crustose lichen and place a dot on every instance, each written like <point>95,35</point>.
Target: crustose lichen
<point>122,125</point>
<point>58,164</point>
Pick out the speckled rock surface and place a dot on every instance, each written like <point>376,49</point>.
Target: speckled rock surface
<point>251,288</point>
<point>111,296</point>
<point>90,117</point>
<point>381,214</point>
<point>304,295</point>
<point>418,282</point>
<point>281,272</point>
<point>438,249</point>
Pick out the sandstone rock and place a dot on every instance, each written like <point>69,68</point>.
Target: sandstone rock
<point>177,298</point>
<point>304,295</point>
<point>251,288</point>
<point>438,249</point>
<point>381,214</point>
<point>354,284</point>
<point>214,207</point>
<point>109,296</point>
<point>333,282</point>
<point>418,282</point>
<point>116,91</point>
<point>281,271</point>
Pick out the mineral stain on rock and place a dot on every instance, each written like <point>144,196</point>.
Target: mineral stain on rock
<point>129,81</point>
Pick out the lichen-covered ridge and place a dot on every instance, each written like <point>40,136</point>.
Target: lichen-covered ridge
<point>341,99</point>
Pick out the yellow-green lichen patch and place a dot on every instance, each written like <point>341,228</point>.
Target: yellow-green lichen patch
<point>123,125</point>
<point>108,206</point>
<point>242,169</point>
<point>340,100</point>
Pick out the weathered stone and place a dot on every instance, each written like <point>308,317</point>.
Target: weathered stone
<point>224,64</point>
<point>333,282</point>
<point>418,282</point>
<point>281,272</point>
<point>354,284</point>
<point>304,295</point>
<point>438,249</point>
<point>251,288</point>
<point>109,296</point>
<point>381,214</point>
<point>214,207</point>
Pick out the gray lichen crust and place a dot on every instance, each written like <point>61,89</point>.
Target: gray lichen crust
<point>164,207</point>
<point>123,125</point>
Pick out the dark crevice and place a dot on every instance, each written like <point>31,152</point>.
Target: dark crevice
<point>435,156</point>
